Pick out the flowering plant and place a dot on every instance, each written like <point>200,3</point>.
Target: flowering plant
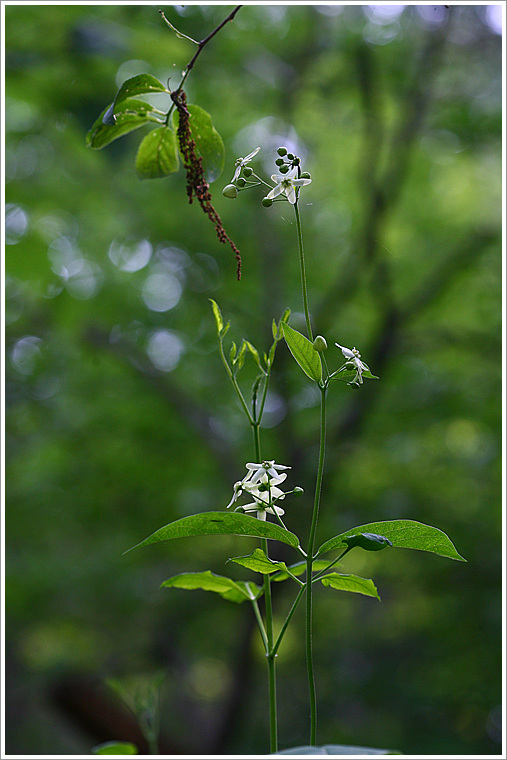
<point>261,516</point>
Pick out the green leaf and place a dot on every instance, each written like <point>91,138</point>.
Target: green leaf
<point>346,375</point>
<point>303,352</point>
<point>240,359</point>
<point>233,591</point>
<point>336,749</point>
<point>220,523</point>
<point>260,563</point>
<point>115,748</point>
<point>350,583</point>
<point>133,114</point>
<point>218,316</point>
<point>142,84</point>
<point>209,143</point>
<point>372,542</point>
<point>158,154</point>
<point>404,534</point>
<point>299,568</point>
<point>255,355</point>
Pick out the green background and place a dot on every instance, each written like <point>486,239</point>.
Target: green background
<point>119,416</point>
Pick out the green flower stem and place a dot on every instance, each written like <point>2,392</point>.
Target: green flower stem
<point>303,271</point>
<point>235,385</point>
<point>270,656</point>
<point>260,624</point>
<point>268,603</point>
<point>288,618</point>
<point>309,570</point>
<point>319,575</point>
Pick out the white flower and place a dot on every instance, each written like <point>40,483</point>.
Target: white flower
<point>261,483</point>
<point>257,471</point>
<point>264,495</point>
<point>287,185</point>
<point>354,357</point>
<point>241,162</point>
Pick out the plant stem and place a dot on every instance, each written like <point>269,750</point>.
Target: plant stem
<point>303,272</point>
<point>268,629</point>
<point>288,618</point>
<point>200,46</point>
<point>270,656</point>
<point>309,570</point>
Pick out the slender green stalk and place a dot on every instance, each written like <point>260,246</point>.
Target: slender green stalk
<point>288,618</point>
<point>309,570</point>
<point>260,623</point>
<point>268,630</point>
<point>255,425</point>
<point>270,656</point>
<point>303,272</point>
<point>333,562</point>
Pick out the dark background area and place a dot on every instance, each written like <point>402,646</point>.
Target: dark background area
<point>119,417</point>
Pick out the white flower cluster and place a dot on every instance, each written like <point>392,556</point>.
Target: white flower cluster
<point>261,484</point>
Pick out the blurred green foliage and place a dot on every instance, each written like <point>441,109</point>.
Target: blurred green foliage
<point>119,416</point>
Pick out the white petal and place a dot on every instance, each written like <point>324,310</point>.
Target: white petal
<point>348,354</point>
<point>277,177</point>
<point>301,182</point>
<point>251,155</point>
<point>274,192</point>
<point>290,192</point>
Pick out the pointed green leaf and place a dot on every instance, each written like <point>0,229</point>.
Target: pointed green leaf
<point>255,354</point>
<point>209,143</point>
<point>336,749</point>
<point>115,748</point>
<point>240,359</point>
<point>303,352</point>
<point>299,568</point>
<point>221,523</point>
<point>218,316</point>
<point>157,155</point>
<point>141,84</point>
<point>259,563</point>
<point>405,534</point>
<point>350,583</point>
<point>132,115</point>
<point>233,591</point>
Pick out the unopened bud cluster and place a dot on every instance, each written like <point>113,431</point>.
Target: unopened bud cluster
<point>288,180</point>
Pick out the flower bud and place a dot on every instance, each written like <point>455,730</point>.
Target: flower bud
<point>279,162</point>
<point>298,491</point>
<point>306,175</point>
<point>284,169</point>
<point>282,151</point>
<point>319,343</point>
<point>267,202</point>
<point>241,182</point>
<point>290,156</point>
<point>230,191</point>
<point>247,171</point>
<point>296,161</point>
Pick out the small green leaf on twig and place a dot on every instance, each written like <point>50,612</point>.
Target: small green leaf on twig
<point>157,155</point>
